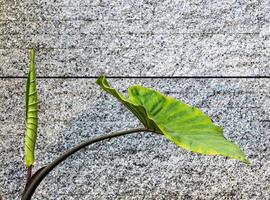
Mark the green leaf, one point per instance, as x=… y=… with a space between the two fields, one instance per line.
x=186 y=126
x=31 y=113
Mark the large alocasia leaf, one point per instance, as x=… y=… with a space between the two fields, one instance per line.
x=31 y=113
x=186 y=126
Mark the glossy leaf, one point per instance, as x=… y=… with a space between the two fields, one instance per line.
x=186 y=126
x=31 y=113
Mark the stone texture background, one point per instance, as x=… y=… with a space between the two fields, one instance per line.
x=136 y=38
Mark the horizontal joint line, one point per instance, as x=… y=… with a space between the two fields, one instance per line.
x=140 y=77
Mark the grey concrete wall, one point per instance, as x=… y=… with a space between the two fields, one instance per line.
x=135 y=38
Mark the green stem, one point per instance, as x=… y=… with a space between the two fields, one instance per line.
x=36 y=180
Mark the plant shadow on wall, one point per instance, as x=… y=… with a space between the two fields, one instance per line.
x=186 y=126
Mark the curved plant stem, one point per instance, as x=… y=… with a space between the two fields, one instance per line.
x=36 y=180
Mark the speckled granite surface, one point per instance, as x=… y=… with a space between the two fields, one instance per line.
x=148 y=38
x=134 y=37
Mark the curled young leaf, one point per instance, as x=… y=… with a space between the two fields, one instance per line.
x=31 y=113
x=186 y=126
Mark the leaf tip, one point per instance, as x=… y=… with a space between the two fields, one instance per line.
x=32 y=56
x=32 y=51
x=245 y=160
x=100 y=79
x=241 y=156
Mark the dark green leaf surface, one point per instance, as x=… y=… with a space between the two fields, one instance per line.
x=31 y=113
x=186 y=126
